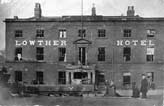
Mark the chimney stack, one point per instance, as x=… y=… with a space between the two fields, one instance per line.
x=130 y=11
x=37 y=10
x=93 y=10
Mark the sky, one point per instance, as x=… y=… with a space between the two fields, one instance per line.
x=25 y=9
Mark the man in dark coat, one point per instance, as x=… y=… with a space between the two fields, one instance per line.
x=144 y=86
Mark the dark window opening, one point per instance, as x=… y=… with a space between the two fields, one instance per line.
x=127 y=32
x=40 y=53
x=126 y=80
x=82 y=33
x=82 y=55
x=101 y=33
x=62 y=54
x=18 y=33
x=39 y=77
x=62 y=77
x=149 y=58
x=39 y=33
x=18 y=54
x=18 y=76
x=101 y=54
x=127 y=53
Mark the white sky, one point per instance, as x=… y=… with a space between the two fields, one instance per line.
x=25 y=8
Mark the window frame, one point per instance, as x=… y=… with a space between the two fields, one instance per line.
x=127 y=33
x=18 y=76
x=83 y=33
x=62 y=33
x=101 y=54
x=39 y=53
x=40 y=33
x=18 y=33
x=101 y=33
x=127 y=56
x=151 y=33
x=62 y=80
x=17 y=51
x=61 y=55
x=150 y=56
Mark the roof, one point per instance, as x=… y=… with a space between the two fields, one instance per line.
x=85 y=18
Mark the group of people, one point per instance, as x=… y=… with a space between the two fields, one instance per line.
x=143 y=90
x=111 y=89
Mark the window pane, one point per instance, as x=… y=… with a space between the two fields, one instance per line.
x=62 y=77
x=18 y=53
x=101 y=54
x=40 y=53
x=18 y=76
x=127 y=33
x=101 y=33
x=39 y=33
x=127 y=53
x=82 y=33
x=62 y=54
x=18 y=33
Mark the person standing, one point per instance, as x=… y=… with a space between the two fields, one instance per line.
x=144 y=86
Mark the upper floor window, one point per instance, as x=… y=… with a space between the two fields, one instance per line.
x=82 y=33
x=39 y=53
x=101 y=33
x=127 y=53
x=151 y=32
x=62 y=54
x=18 y=33
x=39 y=33
x=150 y=54
x=62 y=33
x=18 y=53
x=127 y=32
x=101 y=54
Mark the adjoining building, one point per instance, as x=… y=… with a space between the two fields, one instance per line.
x=56 y=50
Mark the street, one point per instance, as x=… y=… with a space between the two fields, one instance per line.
x=152 y=100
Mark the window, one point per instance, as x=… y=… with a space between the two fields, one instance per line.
x=127 y=32
x=39 y=77
x=62 y=33
x=150 y=54
x=62 y=54
x=101 y=33
x=62 y=77
x=151 y=32
x=40 y=53
x=126 y=78
x=82 y=33
x=101 y=54
x=18 y=33
x=39 y=33
x=18 y=53
x=127 y=53
x=18 y=76
x=150 y=76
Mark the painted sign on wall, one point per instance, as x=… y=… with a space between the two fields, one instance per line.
x=41 y=42
x=135 y=42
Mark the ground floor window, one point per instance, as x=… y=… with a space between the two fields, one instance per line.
x=126 y=78
x=62 y=77
x=18 y=76
x=39 y=77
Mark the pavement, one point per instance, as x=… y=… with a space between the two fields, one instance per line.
x=155 y=98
